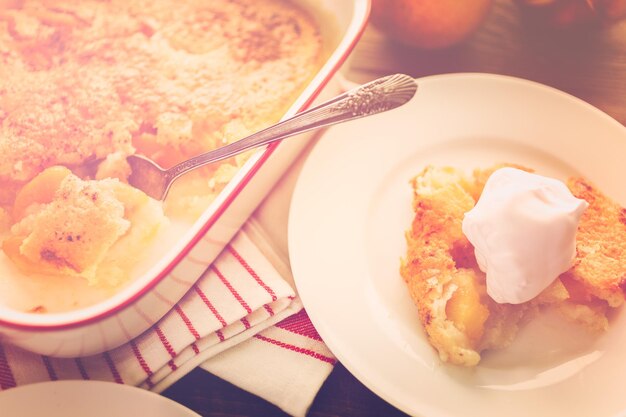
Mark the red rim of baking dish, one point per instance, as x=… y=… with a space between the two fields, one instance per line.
x=218 y=213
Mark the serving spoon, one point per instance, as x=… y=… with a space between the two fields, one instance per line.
x=374 y=97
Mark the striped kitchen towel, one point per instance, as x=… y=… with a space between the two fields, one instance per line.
x=239 y=320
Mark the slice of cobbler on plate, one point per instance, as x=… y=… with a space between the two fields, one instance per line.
x=449 y=288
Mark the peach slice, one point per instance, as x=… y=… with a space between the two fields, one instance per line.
x=39 y=190
x=465 y=309
x=11 y=247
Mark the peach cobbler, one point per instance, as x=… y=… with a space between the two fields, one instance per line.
x=83 y=84
x=444 y=279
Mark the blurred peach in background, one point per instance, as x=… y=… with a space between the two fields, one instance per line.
x=429 y=23
x=434 y=24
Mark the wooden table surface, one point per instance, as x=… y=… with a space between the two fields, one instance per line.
x=590 y=65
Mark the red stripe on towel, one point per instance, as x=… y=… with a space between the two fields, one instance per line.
x=142 y=362
x=165 y=342
x=300 y=323
x=187 y=322
x=6 y=375
x=81 y=369
x=208 y=304
x=167 y=346
x=268 y=309
x=232 y=290
x=48 y=364
x=252 y=272
x=116 y=375
x=297 y=349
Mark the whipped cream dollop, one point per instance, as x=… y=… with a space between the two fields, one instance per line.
x=523 y=229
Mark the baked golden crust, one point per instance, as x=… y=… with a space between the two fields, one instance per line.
x=601 y=245
x=80 y=80
x=77 y=228
x=447 y=286
x=85 y=83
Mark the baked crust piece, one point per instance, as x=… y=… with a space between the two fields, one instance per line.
x=90 y=229
x=600 y=264
x=449 y=289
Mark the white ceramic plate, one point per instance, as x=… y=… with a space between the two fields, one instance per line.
x=87 y=398
x=352 y=204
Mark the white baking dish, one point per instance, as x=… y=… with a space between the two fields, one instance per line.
x=98 y=328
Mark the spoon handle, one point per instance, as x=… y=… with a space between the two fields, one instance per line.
x=380 y=95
